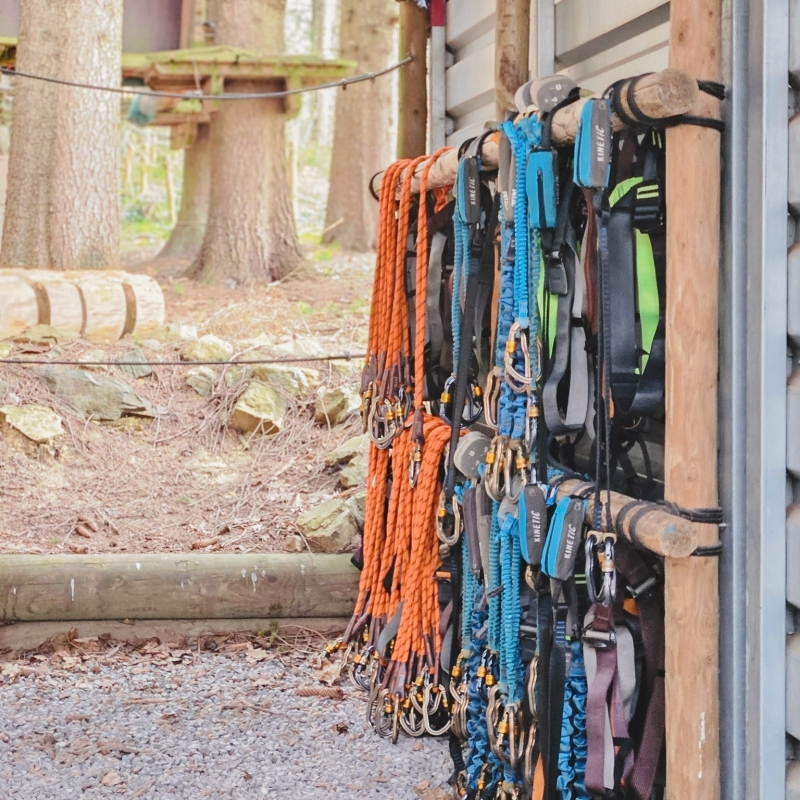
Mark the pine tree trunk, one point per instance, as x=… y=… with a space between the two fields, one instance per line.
x=187 y=235
x=62 y=209
x=361 y=146
x=250 y=235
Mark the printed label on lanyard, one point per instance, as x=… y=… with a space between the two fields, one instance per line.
x=541 y=188
x=470 y=511
x=592 y=165
x=533 y=522
x=564 y=539
x=469 y=194
x=504 y=175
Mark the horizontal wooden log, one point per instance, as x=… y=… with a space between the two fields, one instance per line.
x=176 y=586
x=102 y=305
x=23 y=636
x=59 y=300
x=19 y=308
x=657 y=530
x=659 y=95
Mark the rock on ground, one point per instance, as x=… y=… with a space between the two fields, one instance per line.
x=296 y=381
x=135 y=369
x=355 y=473
x=334 y=406
x=260 y=409
x=202 y=379
x=207 y=348
x=96 y=396
x=348 y=449
x=205 y=726
x=37 y=423
x=328 y=527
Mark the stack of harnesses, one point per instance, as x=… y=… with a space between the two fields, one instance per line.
x=517 y=341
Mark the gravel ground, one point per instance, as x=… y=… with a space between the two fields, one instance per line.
x=197 y=725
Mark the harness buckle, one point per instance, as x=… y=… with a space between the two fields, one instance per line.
x=647 y=214
x=556 y=274
x=644 y=589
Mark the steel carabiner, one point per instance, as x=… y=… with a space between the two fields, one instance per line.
x=518 y=383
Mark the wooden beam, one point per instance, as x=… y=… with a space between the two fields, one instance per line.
x=412 y=127
x=656 y=530
x=511 y=43
x=24 y=636
x=176 y=586
x=690 y=463
x=660 y=95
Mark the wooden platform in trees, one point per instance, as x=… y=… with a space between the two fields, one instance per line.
x=207 y=69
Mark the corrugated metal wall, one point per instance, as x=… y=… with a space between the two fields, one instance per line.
x=793 y=419
x=596 y=43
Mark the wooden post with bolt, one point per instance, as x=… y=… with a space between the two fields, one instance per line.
x=690 y=461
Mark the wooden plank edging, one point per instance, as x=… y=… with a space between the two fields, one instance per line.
x=22 y=636
x=176 y=586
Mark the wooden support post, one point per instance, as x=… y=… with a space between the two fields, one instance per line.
x=656 y=530
x=412 y=125
x=511 y=44
x=690 y=464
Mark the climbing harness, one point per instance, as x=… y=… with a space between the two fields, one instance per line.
x=517 y=342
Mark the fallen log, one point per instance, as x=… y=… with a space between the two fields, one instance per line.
x=659 y=95
x=656 y=529
x=103 y=305
x=176 y=586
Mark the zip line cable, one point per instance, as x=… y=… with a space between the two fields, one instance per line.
x=196 y=95
x=299 y=360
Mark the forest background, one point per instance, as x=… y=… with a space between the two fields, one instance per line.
x=154 y=174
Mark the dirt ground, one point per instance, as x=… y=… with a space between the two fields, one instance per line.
x=162 y=485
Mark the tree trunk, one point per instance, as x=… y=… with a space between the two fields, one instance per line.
x=62 y=208
x=250 y=236
x=412 y=123
x=363 y=117
x=187 y=235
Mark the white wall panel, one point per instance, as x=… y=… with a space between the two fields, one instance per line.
x=596 y=41
x=470 y=82
x=468 y=19
x=584 y=29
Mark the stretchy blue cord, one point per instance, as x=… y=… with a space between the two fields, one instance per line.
x=469 y=584
x=511 y=660
x=460 y=270
x=573 y=747
x=494 y=582
x=479 y=752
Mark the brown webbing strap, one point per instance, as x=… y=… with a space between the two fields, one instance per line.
x=637 y=575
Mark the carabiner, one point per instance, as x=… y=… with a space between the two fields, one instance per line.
x=531 y=422
x=518 y=383
x=430 y=708
x=414 y=464
x=407 y=717
x=494 y=382
x=495 y=467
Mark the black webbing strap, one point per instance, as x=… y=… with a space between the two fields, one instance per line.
x=556 y=682
x=636 y=509
x=481 y=253
x=542 y=689
x=638 y=119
